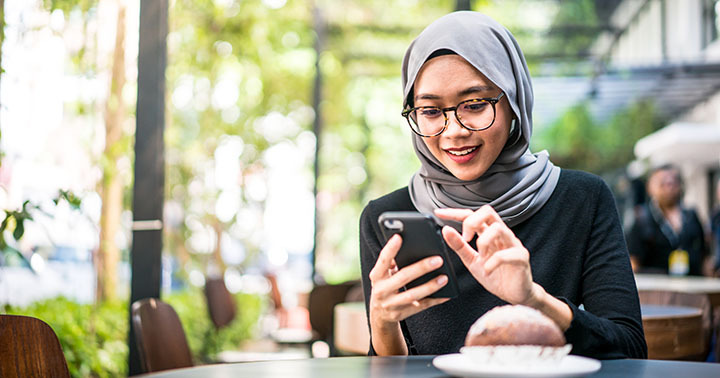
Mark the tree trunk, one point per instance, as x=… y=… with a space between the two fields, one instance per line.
x=111 y=189
x=218 y=262
x=463 y=5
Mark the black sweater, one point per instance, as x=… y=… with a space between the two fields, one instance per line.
x=577 y=253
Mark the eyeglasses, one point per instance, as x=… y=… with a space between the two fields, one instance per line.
x=476 y=114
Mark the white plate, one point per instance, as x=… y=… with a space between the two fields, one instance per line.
x=570 y=366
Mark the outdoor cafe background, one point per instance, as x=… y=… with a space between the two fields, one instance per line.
x=279 y=117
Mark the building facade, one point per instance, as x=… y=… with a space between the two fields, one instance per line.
x=680 y=40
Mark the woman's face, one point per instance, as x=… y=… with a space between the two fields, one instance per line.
x=445 y=81
x=664 y=186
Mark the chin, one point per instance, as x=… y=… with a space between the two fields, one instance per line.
x=467 y=176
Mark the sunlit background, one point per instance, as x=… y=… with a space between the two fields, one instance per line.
x=240 y=144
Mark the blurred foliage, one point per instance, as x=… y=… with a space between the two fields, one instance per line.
x=93 y=337
x=573 y=14
x=578 y=141
x=83 y=63
x=68 y=6
x=204 y=340
x=627 y=127
x=14 y=221
x=212 y=46
x=220 y=87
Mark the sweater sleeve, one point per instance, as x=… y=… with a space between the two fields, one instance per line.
x=369 y=251
x=610 y=324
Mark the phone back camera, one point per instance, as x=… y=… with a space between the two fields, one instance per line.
x=393 y=224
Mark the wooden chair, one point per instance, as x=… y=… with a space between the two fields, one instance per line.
x=321 y=304
x=29 y=348
x=699 y=301
x=220 y=303
x=160 y=337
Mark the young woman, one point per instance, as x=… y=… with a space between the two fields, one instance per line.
x=522 y=230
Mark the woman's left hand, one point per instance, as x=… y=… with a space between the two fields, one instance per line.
x=500 y=263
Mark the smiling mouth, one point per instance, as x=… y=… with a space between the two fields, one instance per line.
x=463 y=151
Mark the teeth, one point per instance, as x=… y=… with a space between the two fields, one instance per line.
x=463 y=152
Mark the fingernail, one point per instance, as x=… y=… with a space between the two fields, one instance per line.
x=436 y=261
x=442 y=280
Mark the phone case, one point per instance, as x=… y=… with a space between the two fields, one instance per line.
x=421 y=238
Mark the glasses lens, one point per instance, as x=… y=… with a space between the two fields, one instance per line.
x=427 y=120
x=476 y=114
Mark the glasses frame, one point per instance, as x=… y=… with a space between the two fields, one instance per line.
x=492 y=100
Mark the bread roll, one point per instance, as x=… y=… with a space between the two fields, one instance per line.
x=514 y=325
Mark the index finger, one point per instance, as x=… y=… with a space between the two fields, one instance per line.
x=457 y=215
x=478 y=221
x=386 y=259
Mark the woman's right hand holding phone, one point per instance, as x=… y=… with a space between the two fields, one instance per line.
x=389 y=305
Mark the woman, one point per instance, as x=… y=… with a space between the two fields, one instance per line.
x=667 y=237
x=525 y=231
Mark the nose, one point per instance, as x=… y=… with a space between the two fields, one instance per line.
x=454 y=128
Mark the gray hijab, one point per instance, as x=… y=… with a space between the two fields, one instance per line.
x=519 y=182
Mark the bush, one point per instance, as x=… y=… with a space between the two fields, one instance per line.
x=94 y=337
x=205 y=342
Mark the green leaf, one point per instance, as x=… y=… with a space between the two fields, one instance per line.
x=19 y=230
x=12 y=253
x=5 y=221
x=73 y=200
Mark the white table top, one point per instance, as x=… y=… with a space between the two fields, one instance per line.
x=701 y=285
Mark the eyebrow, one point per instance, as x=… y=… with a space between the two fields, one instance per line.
x=464 y=92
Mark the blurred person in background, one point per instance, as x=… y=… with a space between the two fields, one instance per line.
x=666 y=237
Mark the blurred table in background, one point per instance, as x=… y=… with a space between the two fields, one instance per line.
x=673 y=332
x=691 y=284
x=350 y=332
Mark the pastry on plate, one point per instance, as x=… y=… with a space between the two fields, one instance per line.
x=514 y=325
x=515 y=334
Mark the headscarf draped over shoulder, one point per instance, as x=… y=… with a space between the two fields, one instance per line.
x=519 y=182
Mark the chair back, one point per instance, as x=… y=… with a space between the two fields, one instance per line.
x=221 y=305
x=321 y=304
x=673 y=298
x=160 y=337
x=29 y=348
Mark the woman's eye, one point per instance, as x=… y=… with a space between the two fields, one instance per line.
x=430 y=112
x=475 y=106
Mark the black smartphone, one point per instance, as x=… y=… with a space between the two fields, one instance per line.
x=421 y=238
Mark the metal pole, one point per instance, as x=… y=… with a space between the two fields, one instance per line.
x=319 y=26
x=461 y=5
x=148 y=190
